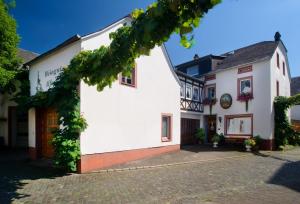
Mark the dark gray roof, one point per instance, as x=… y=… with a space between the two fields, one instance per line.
x=252 y=53
x=26 y=55
x=295 y=85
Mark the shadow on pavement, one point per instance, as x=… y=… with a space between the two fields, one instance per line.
x=15 y=169
x=288 y=175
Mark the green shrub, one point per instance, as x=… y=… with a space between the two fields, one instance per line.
x=200 y=135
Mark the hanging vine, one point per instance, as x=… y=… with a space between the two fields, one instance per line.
x=101 y=67
x=284 y=133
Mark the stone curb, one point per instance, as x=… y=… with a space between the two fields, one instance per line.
x=167 y=165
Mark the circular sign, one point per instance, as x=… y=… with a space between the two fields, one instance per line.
x=226 y=101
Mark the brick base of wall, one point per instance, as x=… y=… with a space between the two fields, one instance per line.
x=32 y=153
x=92 y=162
x=267 y=145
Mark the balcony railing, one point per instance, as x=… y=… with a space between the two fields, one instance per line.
x=189 y=105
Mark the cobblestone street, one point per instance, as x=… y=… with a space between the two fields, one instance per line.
x=268 y=177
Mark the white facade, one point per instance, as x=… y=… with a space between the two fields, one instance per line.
x=121 y=117
x=5 y=102
x=264 y=75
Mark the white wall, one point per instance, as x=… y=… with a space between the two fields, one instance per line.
x=123 y=118
x=226 y=82
x=31 y=128
x=51 y=63
x=295 y=112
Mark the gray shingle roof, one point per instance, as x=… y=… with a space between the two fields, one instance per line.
x=26 y=55
x=295 y=85
x=252 y=53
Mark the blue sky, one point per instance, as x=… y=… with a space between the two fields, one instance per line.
x=230 y=25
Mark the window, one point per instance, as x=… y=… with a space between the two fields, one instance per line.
x=192 y=71
x=245 y=86
x=166 y=127
x=239 y=125
x=188 y=91
x=129 y=80
x=277 y=58
x=283 y=67
x=182 y=89
x=196 y=93
x=210 y=91
x=277 y=88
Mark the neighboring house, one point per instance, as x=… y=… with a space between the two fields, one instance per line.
x=256 y=73
x=138 y=116
x=13 y=123
x=295 y=89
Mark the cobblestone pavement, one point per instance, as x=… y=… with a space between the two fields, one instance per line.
x=269 y=177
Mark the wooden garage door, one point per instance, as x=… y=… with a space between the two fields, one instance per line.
x=188 y=130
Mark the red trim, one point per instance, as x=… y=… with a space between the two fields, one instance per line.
x=210 y=77
x=134 y=78
x=208 y=86
x=163 y=139
x=278 y=61
x=245 y=69
x=267 y=145
x=92 y=162
x=238 y=135
x=32 y=153
x=239 y=85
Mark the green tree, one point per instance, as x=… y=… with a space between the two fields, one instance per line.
x=9 y=61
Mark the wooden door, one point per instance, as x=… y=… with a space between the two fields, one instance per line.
x=50 y=124
x=188 y=130
x=211 y=123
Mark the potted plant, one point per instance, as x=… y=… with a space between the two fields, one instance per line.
x=200 y=135
x=246 y=97
x=249 y=143
x=216 y=139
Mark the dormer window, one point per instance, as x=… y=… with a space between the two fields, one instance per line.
x=129 y=80
x=192 y=71
x=210 y=91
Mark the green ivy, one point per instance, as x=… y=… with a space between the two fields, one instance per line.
x=100 y=67
x=284 y=133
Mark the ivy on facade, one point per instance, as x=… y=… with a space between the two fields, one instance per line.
x=100 y=67
x=284 y=133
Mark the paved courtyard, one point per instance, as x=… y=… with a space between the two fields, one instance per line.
x=192 y=176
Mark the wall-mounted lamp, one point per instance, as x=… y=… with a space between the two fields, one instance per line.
x=220 y=119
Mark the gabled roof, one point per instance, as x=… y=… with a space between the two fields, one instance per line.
x=295 y=85
x=26 y=55
x=256 y=52
x=71 y=40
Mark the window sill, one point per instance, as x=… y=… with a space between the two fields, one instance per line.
x=129 y=85
x=165 y=139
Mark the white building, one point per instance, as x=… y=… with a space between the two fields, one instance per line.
x=157 y=109
x=13 y=122
x=135 y=118
x=295 y=89
x=257 y=74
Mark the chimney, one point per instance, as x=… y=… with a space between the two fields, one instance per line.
x=277 y=36
x=196 y=57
